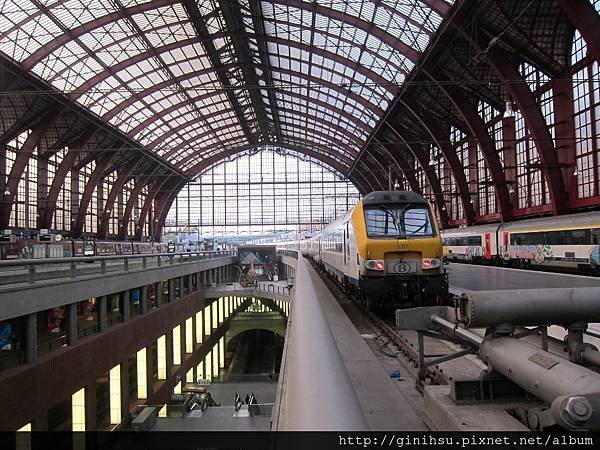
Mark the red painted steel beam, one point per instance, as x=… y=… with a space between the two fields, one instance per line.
x=24 y=154
x=479 y=130
x=123 y=177
x=47 y=214
x=404 y=166
x=133 y=198
x=163 y=204
x=102 y=164
x=526 y=101
x=88 y=27
x=586 y=19
x=423 y=160
x=207 y=162
x=356 y=22
x=449 y=154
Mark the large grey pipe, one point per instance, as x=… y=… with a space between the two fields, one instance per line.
x=317 y=391
x=555 y=380
x=530 y=307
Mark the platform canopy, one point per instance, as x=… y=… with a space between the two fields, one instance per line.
x=195 y=81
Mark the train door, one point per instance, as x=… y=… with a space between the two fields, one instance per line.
x=487 y=250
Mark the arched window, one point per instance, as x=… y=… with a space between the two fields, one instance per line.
x=586 y=97
x=273 y=190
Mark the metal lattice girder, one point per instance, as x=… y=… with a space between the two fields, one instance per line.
x=199 y=24
x=423 y=160
x=22 y=159
x=585 y=18
x=479 y=130
x=449 y=153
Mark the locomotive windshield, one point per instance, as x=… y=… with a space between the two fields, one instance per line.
x=398 y=221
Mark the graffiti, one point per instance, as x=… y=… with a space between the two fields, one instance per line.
x=474 y=252
x=595 y=256
x=538 y=253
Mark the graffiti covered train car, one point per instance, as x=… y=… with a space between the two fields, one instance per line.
x=563 y=242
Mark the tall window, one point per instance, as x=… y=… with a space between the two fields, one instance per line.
x=532 y=187
x=91 y=217
x=586 y=96
x=272 y=190
x=62 y=214
x=459 y=140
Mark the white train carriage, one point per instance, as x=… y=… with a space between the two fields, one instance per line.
x=471 y=244
x=569 y=241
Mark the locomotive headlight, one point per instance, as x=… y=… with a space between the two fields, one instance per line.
x=374 y=264
x=430 y=263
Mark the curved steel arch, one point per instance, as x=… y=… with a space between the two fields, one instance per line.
x=451 y=158
x=480 y=132
x=405 y=168
x=434 y=181
x=203 y=165
x=345 y=114
x=183 y=126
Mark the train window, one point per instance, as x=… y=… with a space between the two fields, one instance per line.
x=417 y=223
x=398 y=220
x=559 y=237
x=381 y=222
x=463 y=241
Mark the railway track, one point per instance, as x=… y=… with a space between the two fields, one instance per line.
x=403 y=344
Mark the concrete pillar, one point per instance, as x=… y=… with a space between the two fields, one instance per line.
x=204 y=278
x=90 y=406
x=210 y=277
x=30 y=338
x=149 y=370
x=158 y=293
x=71 y=319
x=125 y=307
x=102 y=313
x=124 y=389
x=144 y=299
x=190 y=284
x=171 y=290
x=181 y=286
x=169 y=352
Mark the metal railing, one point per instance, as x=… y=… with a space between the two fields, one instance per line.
x=34 y=270
x=289 y=253
x=273 y=288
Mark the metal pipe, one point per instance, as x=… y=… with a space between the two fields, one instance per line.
x=530 y=307
x=568 y=387
x=591 y=356
x=458 y=332
x=316 y=392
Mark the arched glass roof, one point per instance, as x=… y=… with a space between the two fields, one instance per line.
x=195 y=79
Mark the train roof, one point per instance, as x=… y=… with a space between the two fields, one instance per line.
x=379 y=197
x=579 y=220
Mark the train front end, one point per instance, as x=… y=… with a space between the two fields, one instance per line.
x=400 y=251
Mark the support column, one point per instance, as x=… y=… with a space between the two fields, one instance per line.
x=71 y=324
x=30 y=338
x=144 y=300
x=102 y=313
x=210 y=277
x=158 y=293
x=169 y=351
x=204 y=279
x=190 y=283
x=149 y=370
x=90 y=406
x=124 y=389
x=181 y=286
x=171 y=290
x=125 y=308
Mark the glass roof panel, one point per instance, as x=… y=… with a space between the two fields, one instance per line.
x=169 y=73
